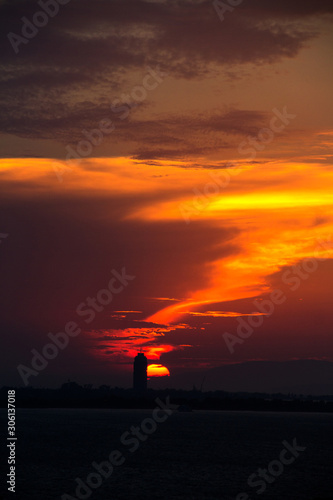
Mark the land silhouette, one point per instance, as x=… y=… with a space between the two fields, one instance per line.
x=73 y=395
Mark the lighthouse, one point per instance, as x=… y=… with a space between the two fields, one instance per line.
x=140 y=373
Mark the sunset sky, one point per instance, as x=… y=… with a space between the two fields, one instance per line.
x=185 y=144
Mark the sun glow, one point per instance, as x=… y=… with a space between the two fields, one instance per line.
x=157 y=371
x=268 y=217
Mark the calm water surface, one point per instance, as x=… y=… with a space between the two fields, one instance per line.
x=201 y=455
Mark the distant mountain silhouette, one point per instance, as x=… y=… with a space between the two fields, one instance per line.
x=298 y=377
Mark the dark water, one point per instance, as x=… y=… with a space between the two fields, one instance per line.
x=199 y=455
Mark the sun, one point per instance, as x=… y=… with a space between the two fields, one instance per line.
x=157 y=371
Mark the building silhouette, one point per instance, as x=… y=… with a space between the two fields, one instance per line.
x=140 y=373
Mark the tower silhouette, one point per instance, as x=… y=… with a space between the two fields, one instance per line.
x=140 y=373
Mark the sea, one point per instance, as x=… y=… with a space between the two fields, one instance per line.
x=199 y=455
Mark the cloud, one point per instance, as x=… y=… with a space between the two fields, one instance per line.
x=64 y=79
x=62 y=250
x=143 y=138
x=223 y=314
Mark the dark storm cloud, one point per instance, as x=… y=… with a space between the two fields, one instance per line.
x=89 y=51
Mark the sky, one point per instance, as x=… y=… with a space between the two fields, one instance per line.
x=166 y=185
